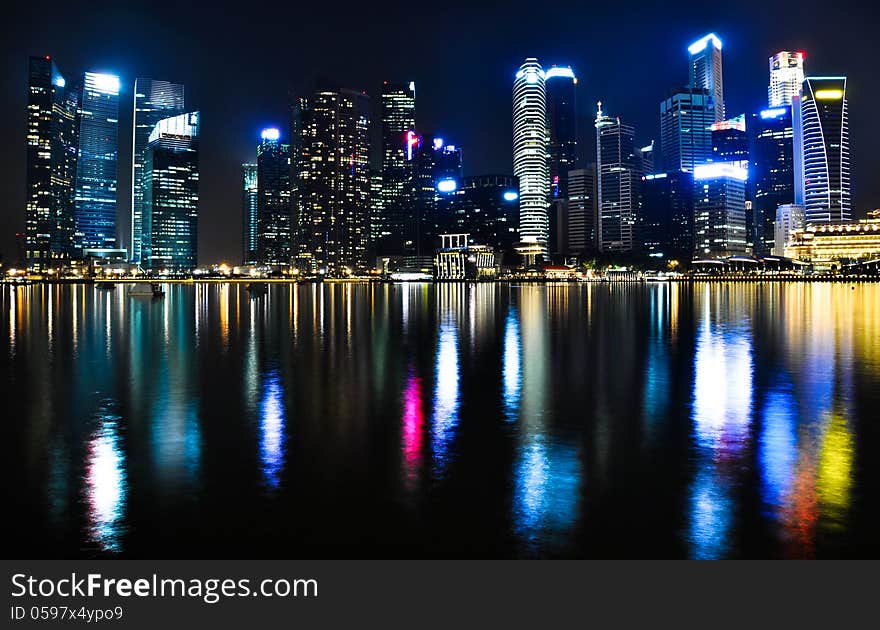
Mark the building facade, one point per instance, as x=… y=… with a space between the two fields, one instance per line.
x=273 y=200
x=789 y=218
x=530 y=153
x=250 y=213
x=153 y=101
x=618 y=178
x=706 y=71
x=786 y=78
x=771 y=171
x=169 y=236
x=581 y=209
x=395 y=208
x=50 y=167
x=720 y=210
x=96 y=164
x=334 y=180
x=666 y=215
x=562 y=129
x=685 y=138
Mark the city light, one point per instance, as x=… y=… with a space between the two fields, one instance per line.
x=270 y=134
x=774 y=112
x=715 y=170
x=829 y=95
x=438 y=143
x=700 y=45
x=447 y=185
x=555 y=71
x=511 y=195
x=104 y=83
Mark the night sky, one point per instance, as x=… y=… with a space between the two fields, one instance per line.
x=240 y=61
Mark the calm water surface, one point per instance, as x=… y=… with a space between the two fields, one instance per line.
x=458 y=420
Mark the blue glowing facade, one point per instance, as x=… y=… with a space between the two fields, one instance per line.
x=706 y=71
x=273 y=240
x=249 y=213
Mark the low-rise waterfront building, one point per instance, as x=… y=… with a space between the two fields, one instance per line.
x=457 y=259
x=833 y=243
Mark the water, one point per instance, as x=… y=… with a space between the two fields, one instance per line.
x=459 y=420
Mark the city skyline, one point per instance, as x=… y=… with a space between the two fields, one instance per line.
x=485 y=138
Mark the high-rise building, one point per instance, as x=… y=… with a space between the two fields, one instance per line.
x=153 y=101
x=486 y=207
x=618 y=178
x=666 y=215
x=771 y=171
x=786 y=77
x=51 y=166
x=333 y=203
x=730 y=142
x=789 y=218
x=821 y=143
x=720 y=209
x=437 y=175
x=562 y=130
x=530 y=153
x=170 y=219
x=685 y=138
x=581 y=210
x=705 y=71
x=96 y=164
x=398 y=106
x=273 y=200
x=250 y=213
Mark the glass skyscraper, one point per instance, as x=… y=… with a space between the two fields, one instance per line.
x=51 y=166
x=169 y=237
x=618 y=177
x=581 y=210
x=666 y=221
x=561 y=86
x=685 y=138
x=720 y=209
x=333 y=172
x=706 y=71
x=786 y=77
x=771 y=171
x=96 y=166
x=273 y=200
x=249 y=213
x=530 y=153
x=395 y=209
x=153 y=101
x=821 y=142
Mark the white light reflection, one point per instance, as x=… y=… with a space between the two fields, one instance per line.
x=106 y=484
x=445 y=396
x=512 y=366
x=272 y=439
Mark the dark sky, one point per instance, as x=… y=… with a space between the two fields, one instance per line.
x=240 y=60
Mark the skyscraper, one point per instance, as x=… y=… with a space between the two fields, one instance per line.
x=618 y=178
x=730 y=142
x=685 y=138
x=273 y=200
x=486 y=207
x=666 y=216
x=398 y=104
x=720 y=209
x=771 y=171
x=437 y=174
x=249 y=213
x=96 y=165
x=561 y=90
x=334 y=182
x=705 y=71
x=153 y=101
x=170 y=220
x=821 y=142
x=51 y=166
x=581 y=209
x=530 y=152
x=786 y=77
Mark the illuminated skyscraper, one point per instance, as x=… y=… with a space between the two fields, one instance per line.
x=153 y=101
x=730 y=143
x=273 y=200
x=685 y=138
x=51 y=166
x=249 y=213
x=618 y=177
x=771 y=171
x=169 y=235
x=720 y=209
x=666 y=216
x=333 y=201
x=96 y=165
x=705 y=71
x=398 y=102
x=530 y=152
x=821 y=143
x=437 y=174
x=786 y=77
x=561 y=84
x=581 y=210
x=486 y=207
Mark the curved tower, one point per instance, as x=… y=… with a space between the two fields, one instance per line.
x=530 y=152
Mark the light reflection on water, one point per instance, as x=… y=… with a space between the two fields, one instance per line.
x=552 y=420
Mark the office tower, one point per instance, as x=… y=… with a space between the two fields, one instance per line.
x=153 y=101
x=530 y=153
x=96 y=164
x=560 y=86
x=771 y=171
x=666 y=216
x=273 y=200
x=685 y=137
x=730 y=142
x=375 y=222
x=437 y=174
x=705 y=71
x=581 y=210
x=786 y=78
x=398 y=107
x=645 y=157
x=170 y=220
x=51 y=166
x=250 y=213
x=334 y=182
x=789 y=217
x=720 y=209
x=618 y=178
x=486 y=207
x=821 y=143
